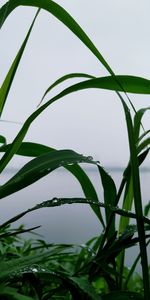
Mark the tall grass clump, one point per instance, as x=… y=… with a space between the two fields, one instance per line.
x=97 y=270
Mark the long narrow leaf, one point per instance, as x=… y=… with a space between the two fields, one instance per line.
x=16 y=266
x=62 y=15
x=137 y=199
x=64 y=201
x=4 y=90
x=39 y=167
x=64 y=78
x=105 y=82
x=143 y=135
x=35 y=150
x=137 y=121
x=109 y=196
x=144 y=145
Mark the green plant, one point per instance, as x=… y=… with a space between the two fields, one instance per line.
x=97 y=271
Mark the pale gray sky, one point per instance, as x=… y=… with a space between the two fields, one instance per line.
x=90 y=122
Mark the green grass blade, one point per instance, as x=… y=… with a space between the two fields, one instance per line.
x=39 y=167
x=137 y=200
x=92 y=83
x=62 y=15
x=4 y=90
x=29 y=149
x=130 y=84
x=110 y=193
x=122 y=295
x=88 y=189
x=143 y=135
x=123 y=223
x=18 y=265
x=147 y=209
x=143 y=145
x=34 y=150
x=137 y=121
x=132 y=270
x=10 y=293
x=65 y=201
x=64 y=78
x=18 y=140
x=2 y=140
x=127 y=205
x=85 y=286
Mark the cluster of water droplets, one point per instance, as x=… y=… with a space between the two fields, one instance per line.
x=70 y=162
x=28 y=269
x=61 y=201
x=88 y=249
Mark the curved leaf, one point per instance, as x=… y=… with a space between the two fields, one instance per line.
x=137 y=121
x=27 y=263
x=39 y=167
x=144 y=145
x=143 y=135
x=35 y=150
x=63 y=78
x=104 y=82
x=64 y=201
x=4 y=90
x=61 y=14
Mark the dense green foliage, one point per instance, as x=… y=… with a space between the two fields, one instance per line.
x=34 y=270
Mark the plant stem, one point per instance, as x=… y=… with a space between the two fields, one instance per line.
x=138 y=202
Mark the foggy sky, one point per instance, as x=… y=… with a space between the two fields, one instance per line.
x=90 y=122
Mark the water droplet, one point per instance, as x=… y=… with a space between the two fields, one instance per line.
x=90 y=158
x=43 y=270
x=54 y=200
x=34 y=270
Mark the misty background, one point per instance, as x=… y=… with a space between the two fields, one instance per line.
x=90 y=122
